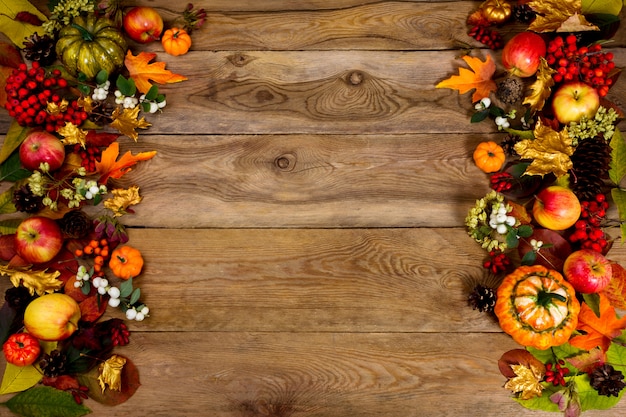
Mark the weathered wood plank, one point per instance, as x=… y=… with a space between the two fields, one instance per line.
x=250 y=374
x=306 y=181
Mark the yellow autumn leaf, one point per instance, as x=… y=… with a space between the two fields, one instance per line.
x=111 y=373
x=122 y=199
x=57 y=108
x=12 y=27
x=558 y=16
x=126 y=122
x=478 y=78
x=72 y=134
x=550 y=151
x=541 y=88
x=40 y=282
x=526 y=382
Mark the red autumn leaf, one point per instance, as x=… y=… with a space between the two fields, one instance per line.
x=27 y=17
x=100 y=139
x=111 y=167
x=92 y=308
x=598 y=331
x=141 y=71
x=10 y=56
x=7 y=247
x=616 y=290
x=588 y=361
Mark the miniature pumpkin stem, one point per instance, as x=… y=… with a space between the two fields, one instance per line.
x=83 y=32
x=544 y=298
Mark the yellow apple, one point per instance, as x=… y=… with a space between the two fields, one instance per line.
x=52 y=317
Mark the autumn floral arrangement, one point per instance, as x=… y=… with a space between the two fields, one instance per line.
x=75 y=92
x=555 y=164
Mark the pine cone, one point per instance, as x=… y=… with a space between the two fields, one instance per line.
x=523 y=13
x=510 y=90
x=607 y=381
x=18 y=297
x=483 y=299
x=590 y=162
x=53 y=364
x=40 y=49
x=508 y=144
x=76 y=224
x=25 y=201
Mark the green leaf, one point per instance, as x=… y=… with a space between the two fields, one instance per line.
x=525 y=231
x=12 y=170
x=126 y=86
x=9 y=226
x=529 y=257
x=102 y=76
x=14 y=29
x=13 y=139
x=617 y=169
x=152 y=93
x=619 y=198
x=126 y=288
x=19 y=378
x=46 y=402
x=511 y=239
x=6 y=202
x=613 y=7
x=593 y=301
x=135 y=296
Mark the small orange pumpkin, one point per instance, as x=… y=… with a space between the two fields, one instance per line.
x=489 y=156
x=537 y=307
x=176 y=41
x=126 y=262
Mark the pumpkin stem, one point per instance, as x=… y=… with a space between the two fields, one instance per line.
x=83 y=32
x=544 y=298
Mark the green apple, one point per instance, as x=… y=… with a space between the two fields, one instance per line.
x=52 y=317
x=574 y=100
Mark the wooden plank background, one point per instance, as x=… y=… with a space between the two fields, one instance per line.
x=302 y=222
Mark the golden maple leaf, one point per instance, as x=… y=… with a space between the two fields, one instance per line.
x=126 y=122
x=550 y=151
x=111 y=167
x=559 y=16
x=40 y=282
x=526 y=382
x=72 y=134
x=478 y=78
x=57 y=108
x=122 y=199
x=111 y=373
x=142 y=72
x=86 y=103
x=541 y=88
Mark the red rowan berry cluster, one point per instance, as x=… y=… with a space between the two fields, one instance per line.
x=89 y=155
x=556 y=373
x=488 y=37
x=497 y=262
x=587 y=64
x=501 y=181
x=587 y=231
x=29 y=92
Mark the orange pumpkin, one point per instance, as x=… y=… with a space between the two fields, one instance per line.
x=126 y=262
x=176 y=41
x=537 y=307
x=489 y=156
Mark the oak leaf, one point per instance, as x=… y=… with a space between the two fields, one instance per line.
x=127 y=121
x=550 y=151
x=111 y=167
x=40 y=282
x=541 y=88
x=111 y=373
x=478 y=78
x=526 y=382
x=559 y=16
x=598 y=331
x=141 y=71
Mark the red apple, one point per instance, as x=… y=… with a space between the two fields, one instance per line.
x=588 y=271
x=39 y=147
x=52 y=317
x=143 y=24
x=556 y=208
x=38 y=239
x=574 y=100
x=521 y=55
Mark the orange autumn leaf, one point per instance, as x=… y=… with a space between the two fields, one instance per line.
x=616 y=290
x=599 y=331
x=111 y=167
x=141 y=71
x=478 y=78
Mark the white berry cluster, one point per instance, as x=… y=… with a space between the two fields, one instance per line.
x=89 y=189
x=536 y=244
x=499 y=219
x=82 y=275
x=101 y=92
x=137 y=315
x=127 y=102
x=152 y=106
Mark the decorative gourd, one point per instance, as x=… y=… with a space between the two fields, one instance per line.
x=489 y=156
x=176 y=41
x=496 y=11
x=126 y=262
x=537 y=307
x=91 y=44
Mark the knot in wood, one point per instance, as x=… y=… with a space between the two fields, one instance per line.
x=285 y=162
x=355 y=77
